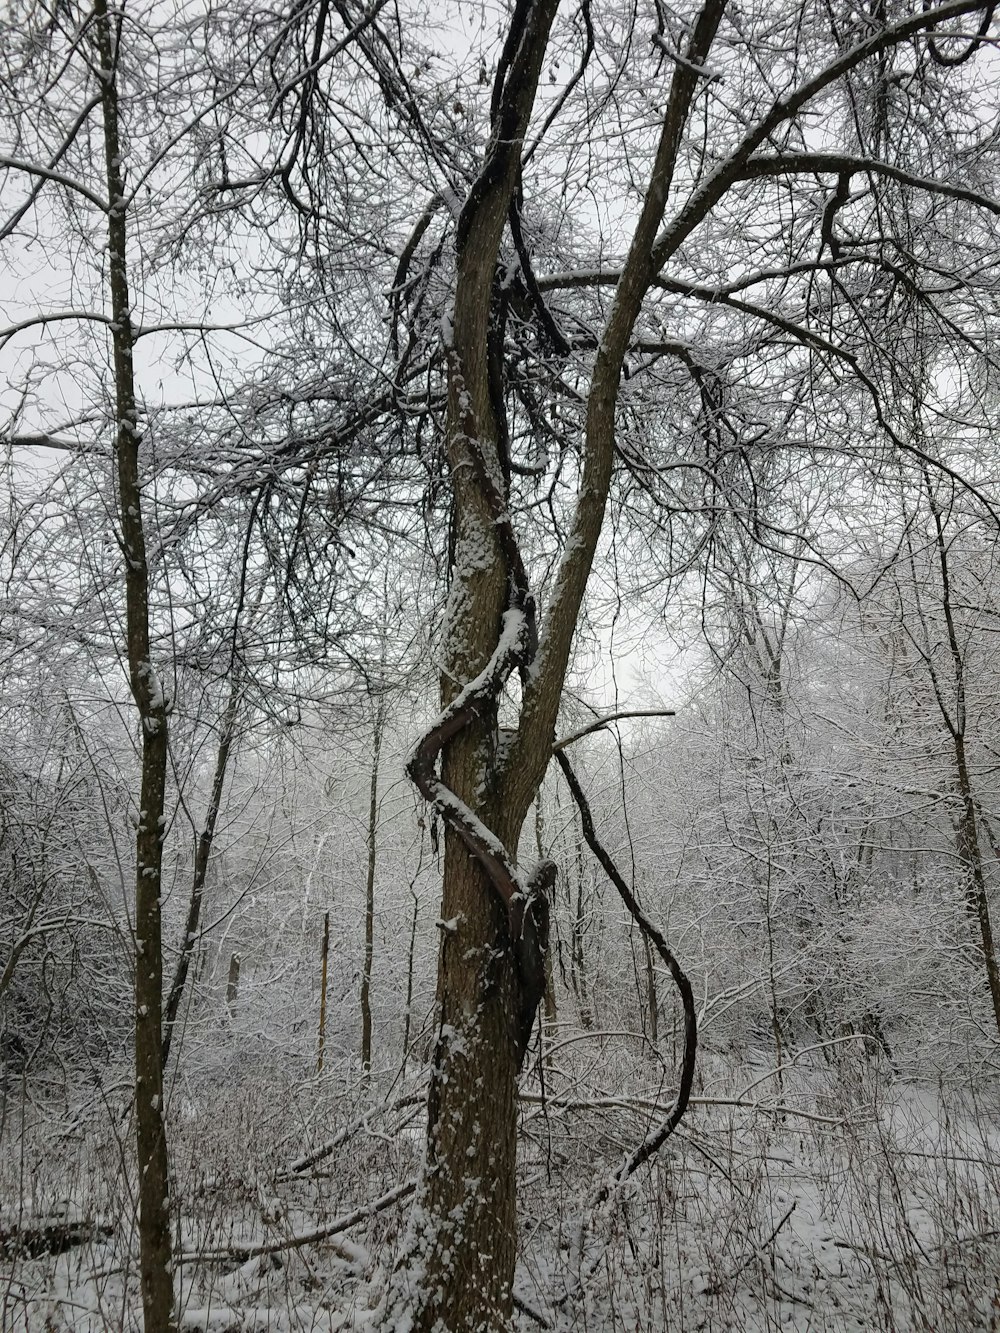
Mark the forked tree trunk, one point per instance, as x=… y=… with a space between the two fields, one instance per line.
x=460 y=1263
x=202 y=853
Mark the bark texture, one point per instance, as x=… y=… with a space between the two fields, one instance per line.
x=465 y=1221
x=464 y=1228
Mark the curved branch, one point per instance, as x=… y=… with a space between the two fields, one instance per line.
x=578 y=73
x=601 y=722
x=545 y=317
x=846 y=164
x=57 y=177
x=654 y=1141
x=951 y=62
x=478 y=695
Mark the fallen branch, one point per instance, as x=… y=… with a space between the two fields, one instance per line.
x=529 y=1310
x=342 y=1135
x=52 y=1237
x=241 y=1253
x=642 y=1104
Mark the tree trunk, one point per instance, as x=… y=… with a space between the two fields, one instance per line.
x=366 y=973
x=551 y=1004
x=408 y=1013
x=549 y=999
x=577 y=962
x=324 y=955
x=463 y=1228
x=652 y=999
x=955 y=720
x=463 y=1240
x=971 y=856
x=233 y=983
x=155 y=1251
x=202 y=853
x=467 y=1209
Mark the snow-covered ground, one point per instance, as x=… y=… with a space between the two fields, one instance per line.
x=832 y=1198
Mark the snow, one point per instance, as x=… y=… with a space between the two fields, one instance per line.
x=878 y=1212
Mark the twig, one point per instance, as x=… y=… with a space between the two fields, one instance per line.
x=342 y=1135
x=759 y=1251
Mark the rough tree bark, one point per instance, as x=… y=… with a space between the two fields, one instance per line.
x=464 y=1229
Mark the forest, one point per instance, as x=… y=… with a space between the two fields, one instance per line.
x=499 y=666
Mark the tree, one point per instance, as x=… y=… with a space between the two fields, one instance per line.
x=943 y=608
x=716 y=172
x=152 y=705
x=613 y=390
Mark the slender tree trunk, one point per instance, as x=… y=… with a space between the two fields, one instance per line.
x=408 y=1013
x=366 y=973
x=202 y=853
x=969 y=847
x=549 y=998
x=971 y=856
x=233 y=983
x=155 y=1253
x=324 y=955
x=772 y=981
x=652 y=999
x=551 y=1004
x=577 y=961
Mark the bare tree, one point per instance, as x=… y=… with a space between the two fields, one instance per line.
x=710 y=164
x=942 y=623
x=606 y=382
x=156 y=1249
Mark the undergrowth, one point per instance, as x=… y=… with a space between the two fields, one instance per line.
x=825 y=1196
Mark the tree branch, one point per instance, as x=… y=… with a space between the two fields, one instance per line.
x=600 y=723
x=654 y=1141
